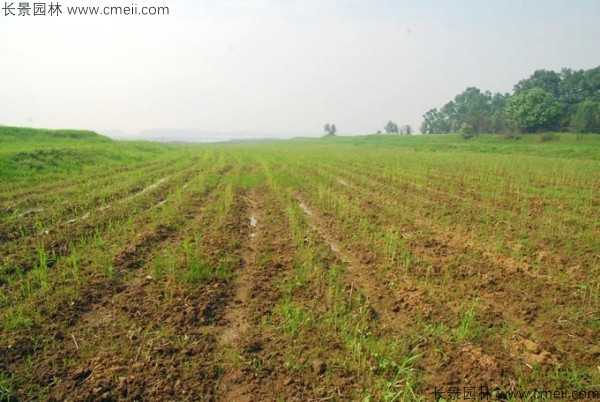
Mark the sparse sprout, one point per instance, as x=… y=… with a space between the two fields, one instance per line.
x=350 y=268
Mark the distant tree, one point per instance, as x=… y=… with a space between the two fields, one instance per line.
x=577 y=86
x=467 y=131
x=429 y=118
x=471 y=106
x=498 y=122
x=428 y=121
x=407 y=129
x=549 y=81
x=533 y=110
x=378 y=131
x=479 y=111
x=391 y=128
x=587 y=117
x=569 y=87
x=435 y=121
x=330 y=129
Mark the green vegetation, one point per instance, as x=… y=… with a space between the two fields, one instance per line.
x=533 y=110
x=365 y=268
x=35 y=154
x=546 y=101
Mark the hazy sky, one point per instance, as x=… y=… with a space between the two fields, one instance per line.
x=279 y=67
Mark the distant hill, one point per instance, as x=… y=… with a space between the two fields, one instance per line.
x=199 y=135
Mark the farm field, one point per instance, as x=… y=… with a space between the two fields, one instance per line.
x=375 y=268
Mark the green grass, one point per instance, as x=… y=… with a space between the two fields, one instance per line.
x=566 y=145
x=468 y=239
x=29 y=154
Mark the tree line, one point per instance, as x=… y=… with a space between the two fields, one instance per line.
x=393 y=128
x=390 y=128
x=568 y=100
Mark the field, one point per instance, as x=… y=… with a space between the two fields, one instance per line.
x=376 y=268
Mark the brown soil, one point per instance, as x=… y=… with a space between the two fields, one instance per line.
x=509 y=291
x=133 y=336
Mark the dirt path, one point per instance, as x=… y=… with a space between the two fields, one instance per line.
x=236 y=314
x=233 y=386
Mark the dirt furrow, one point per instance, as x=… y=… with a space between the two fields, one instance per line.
x=254 y=359
x=102 y=301
x=450 y=242
x=237 y=313
x=360 y=276
x=235 y=385
x=478 y=269
x=402 y=194
x=57 y=239
x=403 y=305
x=73 y=186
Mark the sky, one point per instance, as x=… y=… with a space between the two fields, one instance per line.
x=267 y=68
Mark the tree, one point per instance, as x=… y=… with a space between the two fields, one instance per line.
x=330 y=129
x=549 y=81
x=577 y=87
x=475 y=108
x=533 y=110
x=587 y=117
x=497 y=123
x=428 y=121
x=472 y=106
x=435 y=122
x=391 y=128
x=407 y=129
x=475 y=111
x=467 y=131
